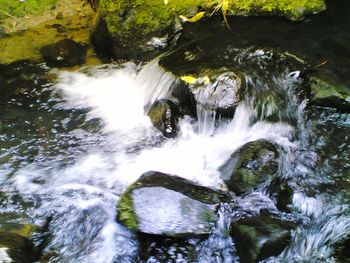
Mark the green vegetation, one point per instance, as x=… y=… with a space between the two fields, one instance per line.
x=150 y=16
x=293 y=9
x=126 y=213
x=17 y=8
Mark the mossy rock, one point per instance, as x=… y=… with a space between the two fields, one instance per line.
x=327 y=94
x=250 y=165
x=16 y=248
x=140 y=29
x=164 y=204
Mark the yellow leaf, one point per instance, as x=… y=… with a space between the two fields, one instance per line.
x=194 y=18
x=166 y=2
x=189 y=79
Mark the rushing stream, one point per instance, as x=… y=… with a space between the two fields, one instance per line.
x=68 y=150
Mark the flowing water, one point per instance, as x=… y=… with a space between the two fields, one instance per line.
x=67 y=155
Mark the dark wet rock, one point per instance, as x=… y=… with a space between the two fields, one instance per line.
x=131 y=31
x=281 y=193
x=64 y=53
x=250 y=165
x=15 y=247
x=327 y=94
x=341 y=251
x=164 y=115
x=182 y=96
x=164 y=204
x=261 y=236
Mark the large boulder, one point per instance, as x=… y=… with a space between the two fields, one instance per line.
x=64 y=53
x=164 y=204
x=250 y=165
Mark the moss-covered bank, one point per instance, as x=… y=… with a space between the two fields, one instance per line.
x=145 y=26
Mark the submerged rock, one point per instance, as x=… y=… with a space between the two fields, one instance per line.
x=167 y=249
x=15 y=248
x=64 y=53
x=250 y=165
x=262 y=236
x=327 y=94
x=169 y=205
x=164 y=115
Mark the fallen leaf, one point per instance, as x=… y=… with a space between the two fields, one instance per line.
x=189 y=79
x=194 y=18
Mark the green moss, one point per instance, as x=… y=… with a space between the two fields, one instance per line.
x=18 y=8
x=293 y=9
x=126 y=213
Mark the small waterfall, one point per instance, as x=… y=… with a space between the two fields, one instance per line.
x=155 y=83
x=207 y=102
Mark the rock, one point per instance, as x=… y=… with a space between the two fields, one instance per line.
x=169 y=205
x=327 y=94
x=183 y=97
x=130 y=30
x=164 y=115
x=15 y=248
x=219 y=92
x=250 y=165
x=64 y=53
x=262 y=236
x=281 y=193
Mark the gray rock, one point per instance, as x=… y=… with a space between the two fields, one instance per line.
x=169 y=205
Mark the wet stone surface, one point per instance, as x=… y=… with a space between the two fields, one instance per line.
x=250 y=165
x=163 y=204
